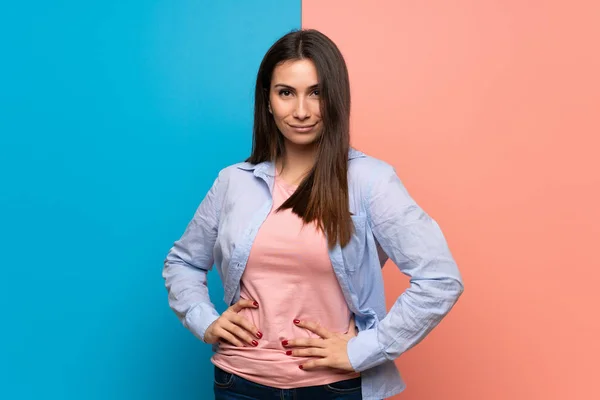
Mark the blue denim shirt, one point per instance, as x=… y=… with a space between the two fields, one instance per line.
x=388 y=224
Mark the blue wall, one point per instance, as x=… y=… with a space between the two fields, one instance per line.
x=115 y=117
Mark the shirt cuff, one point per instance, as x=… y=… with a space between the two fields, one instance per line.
x=199 y=318
x=364 y=351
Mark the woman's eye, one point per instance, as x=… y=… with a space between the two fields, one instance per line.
x=284 y=92
x=317 y=92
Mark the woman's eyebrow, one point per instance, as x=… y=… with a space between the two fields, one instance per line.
x=283 y=85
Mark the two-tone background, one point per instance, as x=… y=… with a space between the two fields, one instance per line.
x=115 y=117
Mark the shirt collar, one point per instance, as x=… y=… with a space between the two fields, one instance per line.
x=267 y=167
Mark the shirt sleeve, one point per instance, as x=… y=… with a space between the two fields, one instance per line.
x=415 y=243
x=188 y=262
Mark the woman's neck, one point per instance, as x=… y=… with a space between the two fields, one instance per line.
x=296 y=163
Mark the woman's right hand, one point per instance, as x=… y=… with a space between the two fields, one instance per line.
x=234 y=328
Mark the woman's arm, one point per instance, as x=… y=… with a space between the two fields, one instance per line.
x=188 y=262
x=417 y=246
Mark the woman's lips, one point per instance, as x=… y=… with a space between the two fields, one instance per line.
x=302 y=128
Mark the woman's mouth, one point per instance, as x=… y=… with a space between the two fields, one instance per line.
x=302 y=128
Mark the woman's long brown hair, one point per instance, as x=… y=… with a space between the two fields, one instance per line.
x=322 y=197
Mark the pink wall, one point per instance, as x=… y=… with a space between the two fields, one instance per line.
x=490 y=112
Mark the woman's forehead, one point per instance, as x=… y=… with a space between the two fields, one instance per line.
x=295 y=73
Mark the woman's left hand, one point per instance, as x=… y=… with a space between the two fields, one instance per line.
x=330 y=350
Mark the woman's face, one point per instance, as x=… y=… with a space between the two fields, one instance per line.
x=294 y=102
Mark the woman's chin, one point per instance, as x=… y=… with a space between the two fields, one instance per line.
x=301 y=139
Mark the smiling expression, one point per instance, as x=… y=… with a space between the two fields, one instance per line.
x=294 y=102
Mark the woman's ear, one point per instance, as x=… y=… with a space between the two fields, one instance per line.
x=270 y=111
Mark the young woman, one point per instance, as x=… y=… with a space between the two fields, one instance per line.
x=299 y=234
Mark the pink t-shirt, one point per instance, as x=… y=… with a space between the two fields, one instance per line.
x=291 y=277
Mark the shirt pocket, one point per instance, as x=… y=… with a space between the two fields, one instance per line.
x=354 y=251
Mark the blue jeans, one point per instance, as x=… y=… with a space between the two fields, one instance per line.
x=232 y=387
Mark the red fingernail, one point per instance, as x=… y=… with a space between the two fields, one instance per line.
x=289 y=352
x=259 y=334
x=255 y=304
x=296 y=321
x=254 y=342
x=301 y=367
x=285 y=343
